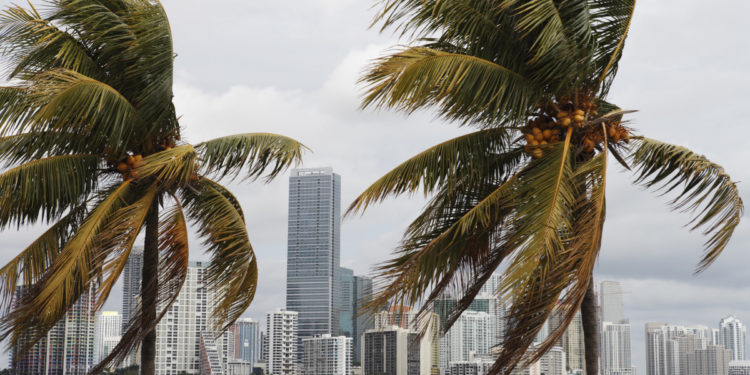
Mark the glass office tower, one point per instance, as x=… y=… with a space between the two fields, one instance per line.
x=313 y=254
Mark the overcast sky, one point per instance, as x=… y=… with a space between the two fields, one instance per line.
x=290 y=67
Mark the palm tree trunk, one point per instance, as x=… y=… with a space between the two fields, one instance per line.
x=590 y=330
x=149 y=289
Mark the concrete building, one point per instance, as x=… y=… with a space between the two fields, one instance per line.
x=345 y=302
x=362 y=287
x=713 y=360
x=732 y=334
x=108 y=333
x=739 y=368
x=313 y=250
x=327 y=355
x=473 y=333
x=388 y=351
x=610 y=302
x=572 y=344
x=282 y=342
x=131 y=294
x=616 y=356
x=247 y=340
x=67 y=349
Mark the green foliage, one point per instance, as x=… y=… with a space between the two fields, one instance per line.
x=91 y=145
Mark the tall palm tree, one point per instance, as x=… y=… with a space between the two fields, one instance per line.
x=527 y=188
x=91 y=145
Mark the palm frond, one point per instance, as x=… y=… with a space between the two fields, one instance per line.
x=233 y=271
x=611 y=20
x=30 y=265
x=465 y=157
x=173 y=167
x=35 y=44
x=254 y=152
x=707 y=191
x=463 y=87
x=173 y=269
x=70 y=275
x=46 y=188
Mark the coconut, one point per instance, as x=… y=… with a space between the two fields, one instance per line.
x=566 y=121
x=579 y=112
x=578 y=118
x=547 y=134
x=122 y=167
x=537 y=153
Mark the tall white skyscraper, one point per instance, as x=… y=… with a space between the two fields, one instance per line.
x=610 y=302
x=131 y=294
x=732 y=334
x=739 y=368
x=473 y=333
x=247 y=340
x=313 y=250
x=108 y=333
x=281 y=346
x=616 y=354
x=178 y=334
x=327 y=355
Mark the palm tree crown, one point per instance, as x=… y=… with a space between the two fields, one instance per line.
x=527 y=188
x=91 y=145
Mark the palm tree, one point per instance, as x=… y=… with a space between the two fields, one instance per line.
x=91 y=145
x=527 y=187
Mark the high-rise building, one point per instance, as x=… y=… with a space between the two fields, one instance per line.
x=178 y=334
x=327 y=355
x=473 y=332
x=313 y=249
x=572 y=344
x=131 y=287
x=389 y=351
x=732 y=334
x=67 y=349
x=108 y=333
x=660 y=356
x=247 y=340
x=713 y=360
x=616 y=355
x=345 y=302
x=282 y=342
x=739 y=368
x=610 y=302
x=362 y=287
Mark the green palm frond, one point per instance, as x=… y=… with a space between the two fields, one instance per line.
x=173 y=167
x=69 y=100
x=611 y=23
x=462 y=157
x=68 y=277
x=26 y=147
x=36 y=44
x=46 y=188
x=233 y=271
x=30 y=265
x=253 y=152
x=703 y=188
x=463 y=87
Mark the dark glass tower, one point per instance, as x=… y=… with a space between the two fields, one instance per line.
x=313 y=250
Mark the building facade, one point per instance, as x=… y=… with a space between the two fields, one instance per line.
x=739 y=368
x=386 y=351
x=327 y=355
x=616 y=356
x=247 y=340
x=282 y=342
x=108 y=333
x=313 y=249
x=67 y=349
x=362 y=287
x=732 y=334
x=131 y=294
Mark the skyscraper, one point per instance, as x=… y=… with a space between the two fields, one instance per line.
x=739 y=368
x=313 y=249
x=327 y=355
x=282 y=342
x=390 y=351
x=67 y=349
x=362 y=293
x=247 y=340
x=732 y=334
x=616 y=354
x=108 y=333
x=178 y=334
x=611 y=304
x=473 y=332
x=131 y=293
x=713 y=360
x=345 y=302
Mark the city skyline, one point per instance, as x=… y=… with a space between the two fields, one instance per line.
x=648 y=252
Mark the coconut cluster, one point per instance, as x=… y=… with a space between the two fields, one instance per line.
x=552 y=124
x=128 y=166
